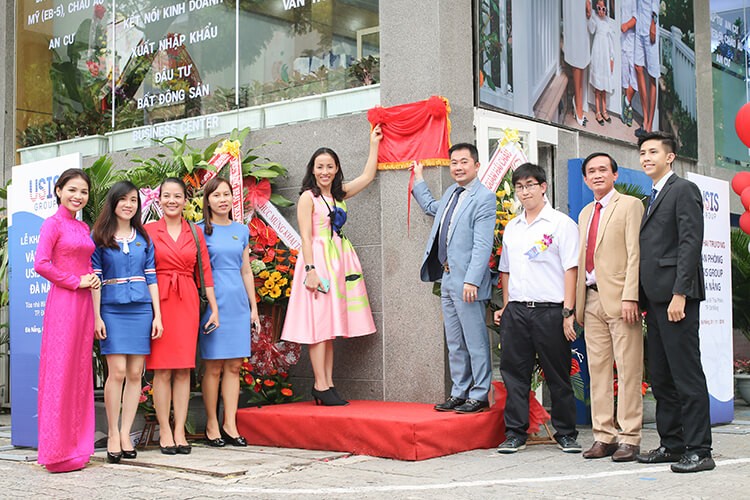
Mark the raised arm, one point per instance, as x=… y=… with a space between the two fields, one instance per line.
x=371 y=167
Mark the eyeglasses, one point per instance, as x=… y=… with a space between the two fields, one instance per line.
x=526 y=187
x=601 y=9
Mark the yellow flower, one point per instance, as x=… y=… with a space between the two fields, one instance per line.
x=282 y=282
x=275 y=292
x=264 y=275
x=270 y=283
x=507 y=204
x=504 y=222
x=231 y=147
x=501 y=193
x=288 y=292
x=263 y=292
x=276 y=276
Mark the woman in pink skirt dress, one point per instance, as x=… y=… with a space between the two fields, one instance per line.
x=328 y=297
x=66 y=381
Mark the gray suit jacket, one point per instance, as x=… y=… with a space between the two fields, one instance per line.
x=469 y=243
x=671 y=243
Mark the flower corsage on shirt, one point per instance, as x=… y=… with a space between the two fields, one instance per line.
x=539 y=247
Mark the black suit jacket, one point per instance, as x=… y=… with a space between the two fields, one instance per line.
x=671 y=242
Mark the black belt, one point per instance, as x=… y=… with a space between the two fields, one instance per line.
x=593 y=287
x=532 y=304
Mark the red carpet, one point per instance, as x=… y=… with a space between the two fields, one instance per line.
x=405 y=431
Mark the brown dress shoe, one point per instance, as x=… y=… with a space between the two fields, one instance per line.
x=626 y=453
x=600 y=450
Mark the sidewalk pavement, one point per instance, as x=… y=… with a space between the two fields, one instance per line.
x=539 y=471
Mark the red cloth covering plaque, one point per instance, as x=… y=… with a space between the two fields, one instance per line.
x=417 y=131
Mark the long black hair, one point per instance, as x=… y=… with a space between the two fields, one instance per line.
x=68 y=175
x=106 y=224
x=209 y=188
x=309 y=183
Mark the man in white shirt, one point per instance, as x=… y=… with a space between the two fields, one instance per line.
x=538 y=269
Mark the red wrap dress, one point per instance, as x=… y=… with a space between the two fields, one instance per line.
x=176 y=266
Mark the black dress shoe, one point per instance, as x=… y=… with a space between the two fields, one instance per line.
x=660 y=455
x=234 y=441
x=129 y=454
x=114 y=458
x=450 y=404
x=216 y=443
x=472 y=406
x=168 y=450
x=692 y=461
x=184 y=449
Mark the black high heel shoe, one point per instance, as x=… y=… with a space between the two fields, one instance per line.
x=129 y=454
x=216 y=443
x=168 y=450
x=327 y=398
x=114 y=458
x=234 y=441
x=184 y=449
x=336 y=393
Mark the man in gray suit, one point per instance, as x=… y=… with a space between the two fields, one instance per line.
x=458 y=254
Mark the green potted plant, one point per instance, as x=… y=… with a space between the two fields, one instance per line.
x=742 y=378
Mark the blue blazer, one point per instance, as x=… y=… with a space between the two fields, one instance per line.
x=469 y=241
x=125 y=277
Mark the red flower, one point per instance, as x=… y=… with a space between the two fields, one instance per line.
x=269 y=383
x=286 y=392
x=247 y=366
x=575 y=366
x=249 y=379
x=257 y=388
x=99 y=11
x=269 y=256
x=262 y=234
x=283 y=374
x=274 y=372
x=93 y=68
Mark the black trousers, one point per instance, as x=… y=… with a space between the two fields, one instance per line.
x=525 y=333
x=677 y=379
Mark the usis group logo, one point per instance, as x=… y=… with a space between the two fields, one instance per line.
x=710 y=204
x=42 y=192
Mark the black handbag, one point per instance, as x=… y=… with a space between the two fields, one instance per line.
x=202 y=298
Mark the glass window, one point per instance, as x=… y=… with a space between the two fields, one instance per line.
x=85 y=69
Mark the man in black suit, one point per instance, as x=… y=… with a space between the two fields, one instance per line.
x=671 y=288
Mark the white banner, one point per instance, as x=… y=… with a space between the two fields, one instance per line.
x=505 y=157
x=716 y=310
x=286 y=232
x=31 y=199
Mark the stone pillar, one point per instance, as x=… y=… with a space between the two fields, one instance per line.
x=7 y=88
x=426 y=49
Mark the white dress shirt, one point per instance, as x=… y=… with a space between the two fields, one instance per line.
x=537 y=255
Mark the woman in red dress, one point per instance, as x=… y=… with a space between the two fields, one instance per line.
x=173 y=355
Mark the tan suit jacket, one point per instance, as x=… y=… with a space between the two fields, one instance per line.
x=616 y=264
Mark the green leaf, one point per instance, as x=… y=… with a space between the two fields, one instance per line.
x=280 y=201
x=264 y=173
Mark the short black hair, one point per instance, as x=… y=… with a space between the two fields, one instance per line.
x=590 y=157
x=668 y=140
x=465 y=145
x=529 y=170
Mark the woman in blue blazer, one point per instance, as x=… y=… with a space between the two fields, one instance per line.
x=126 y=308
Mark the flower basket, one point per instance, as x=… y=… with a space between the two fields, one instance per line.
x=274 y=314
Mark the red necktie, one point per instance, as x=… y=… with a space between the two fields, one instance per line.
x=591 y=241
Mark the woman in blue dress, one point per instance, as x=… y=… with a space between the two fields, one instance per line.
x=223 y=349
x=126 y=308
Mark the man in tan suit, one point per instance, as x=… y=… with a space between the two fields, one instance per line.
x=607 y=306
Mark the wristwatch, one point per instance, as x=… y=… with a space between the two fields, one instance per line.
x=309 y=267
x=567 y=313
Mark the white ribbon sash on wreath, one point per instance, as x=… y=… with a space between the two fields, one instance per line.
x=229 y=152
x=278 y=223
x=507 y=155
